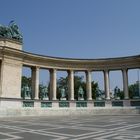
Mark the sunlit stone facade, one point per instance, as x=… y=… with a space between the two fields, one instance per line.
x=13 y=59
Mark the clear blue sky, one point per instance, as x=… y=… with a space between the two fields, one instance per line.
x=76 y=28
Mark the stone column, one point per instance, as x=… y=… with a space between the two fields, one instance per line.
x=35 y=82
x=53 y=84
x=71 y=84
x=88 y=85
x=106 y=84
x=125 y=83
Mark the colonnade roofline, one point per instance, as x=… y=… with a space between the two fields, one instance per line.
x=83 y=59
x=31 y=59
x=69 y=58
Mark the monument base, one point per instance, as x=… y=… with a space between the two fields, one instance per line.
x=28 y=98
x=46 y=99
x=63 y=99
x=80 y=99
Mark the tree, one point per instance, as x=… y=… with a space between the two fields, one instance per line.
x=134 y=90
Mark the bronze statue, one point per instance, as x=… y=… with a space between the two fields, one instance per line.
x=63 y=92
x=11 y=31
x=80 y=93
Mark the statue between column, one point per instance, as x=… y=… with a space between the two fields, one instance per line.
x=80 y=93
x=63 y=94
x=26 y=92
x=44 y=93
x=117 y=93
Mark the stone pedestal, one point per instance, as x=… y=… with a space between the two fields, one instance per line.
x=46 y=98
x=72 y=104
x=80 y=99
x=55 y=104
x=63 y=99
x=126 y=103
x=10 y=43
x=90 y=104
x=108 y=103
x=11 y=70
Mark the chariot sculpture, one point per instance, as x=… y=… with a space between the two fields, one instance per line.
x=11 y=31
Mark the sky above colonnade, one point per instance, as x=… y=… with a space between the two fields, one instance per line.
x=76 y=28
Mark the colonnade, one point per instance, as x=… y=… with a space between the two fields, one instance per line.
x=13 y=59
x=53 y=83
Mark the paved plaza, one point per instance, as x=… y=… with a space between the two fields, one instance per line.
x=71 y=128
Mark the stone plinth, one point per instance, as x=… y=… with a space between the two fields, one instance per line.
x=11 y=71
x=11 y=43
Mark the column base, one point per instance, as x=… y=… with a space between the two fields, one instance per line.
x=108 y=103
x=90 y=99
x=46 y=99
x=55 y=99
x=107 y=98
x=63 y=99
x=72 y=104
x=80 y=99
x=71 y=99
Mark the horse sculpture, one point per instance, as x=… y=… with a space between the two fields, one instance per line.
x=11 y=31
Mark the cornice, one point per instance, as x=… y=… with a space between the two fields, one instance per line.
x=30 y=59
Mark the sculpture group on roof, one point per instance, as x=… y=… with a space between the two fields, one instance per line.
x=11 y=31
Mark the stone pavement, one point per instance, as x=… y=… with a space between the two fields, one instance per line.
x=71 y=128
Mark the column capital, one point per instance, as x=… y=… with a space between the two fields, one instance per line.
x=53 y=70
x=35 y=67
x=70 y=70
x=88 y=71
x=106 y=70
x=124 y=69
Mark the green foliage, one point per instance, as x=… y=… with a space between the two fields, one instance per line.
x=133 y=90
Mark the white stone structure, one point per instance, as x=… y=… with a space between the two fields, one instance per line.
x=12 y=60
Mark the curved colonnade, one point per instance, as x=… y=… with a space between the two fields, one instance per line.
x=13 y=59
x=53 y=64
